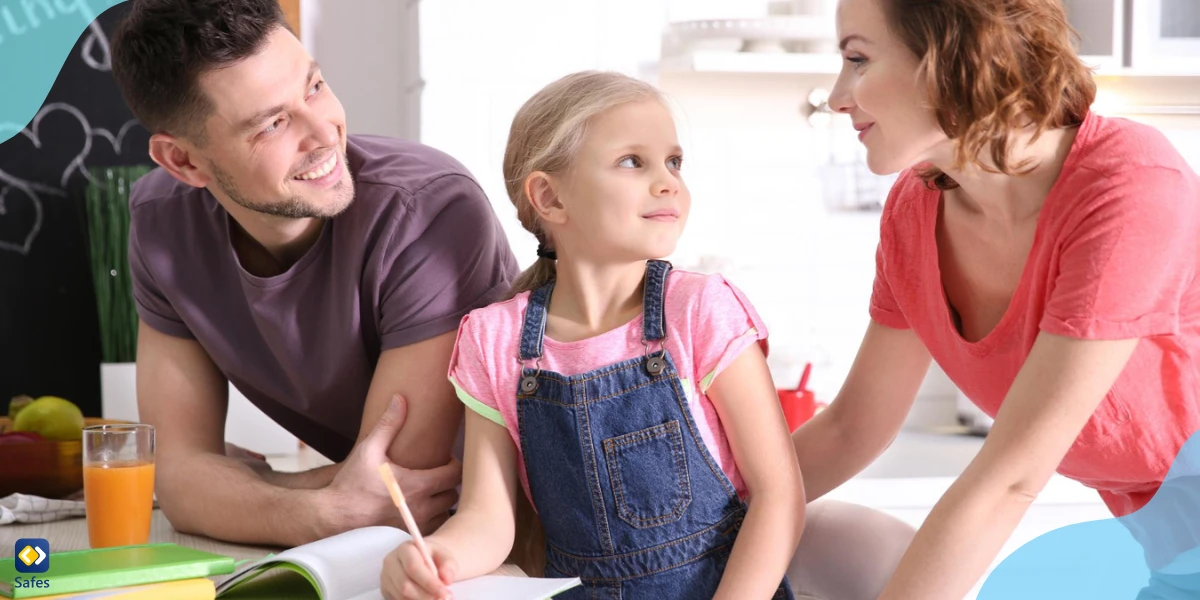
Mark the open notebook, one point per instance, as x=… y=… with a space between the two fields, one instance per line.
x=347 y=566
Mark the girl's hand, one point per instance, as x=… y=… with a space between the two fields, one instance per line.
x=406 y=575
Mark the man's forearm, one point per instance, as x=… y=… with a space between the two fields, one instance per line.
x=225 y=499
x=311 y=479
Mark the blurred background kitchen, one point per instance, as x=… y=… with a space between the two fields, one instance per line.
x=784 y=205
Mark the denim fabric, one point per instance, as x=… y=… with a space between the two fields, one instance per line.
x=631 y=500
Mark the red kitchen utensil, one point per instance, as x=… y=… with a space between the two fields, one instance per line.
x=799 y=405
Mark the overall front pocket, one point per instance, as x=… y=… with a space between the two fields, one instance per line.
x=649 y=475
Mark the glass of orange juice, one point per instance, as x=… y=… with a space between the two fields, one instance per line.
x=118 y=483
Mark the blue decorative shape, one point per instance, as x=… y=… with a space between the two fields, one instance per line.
x=35 y=38
x=1151 y=554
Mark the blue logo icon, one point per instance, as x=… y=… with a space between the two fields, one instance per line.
x=32 y=555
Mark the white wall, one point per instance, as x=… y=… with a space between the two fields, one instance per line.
x=482 y=60
x=369 y=54
x=753 y=161
x=750 y=160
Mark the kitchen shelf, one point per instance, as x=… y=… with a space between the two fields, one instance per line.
x=715 y=61
x=710 y=61
x=1136 y=72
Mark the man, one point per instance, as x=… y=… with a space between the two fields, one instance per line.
x=320 y=273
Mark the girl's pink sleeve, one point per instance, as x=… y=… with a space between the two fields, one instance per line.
x=727 y=325
x=470 y=375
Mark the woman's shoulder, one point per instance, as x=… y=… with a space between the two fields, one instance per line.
x=908 y=194
x=1112 y=146
x=1118 y=166
x=904 y=218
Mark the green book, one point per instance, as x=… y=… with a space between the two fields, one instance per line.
x=86 y=570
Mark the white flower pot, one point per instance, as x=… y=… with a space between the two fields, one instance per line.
x=118 y=391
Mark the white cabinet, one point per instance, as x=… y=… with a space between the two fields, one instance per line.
x=1115 y=37
x=1145 y=37
x=1165 y=36
x=1100 y=25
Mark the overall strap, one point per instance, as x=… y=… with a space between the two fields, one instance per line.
x=654 y=327
x=535 y=323
x=654 y=318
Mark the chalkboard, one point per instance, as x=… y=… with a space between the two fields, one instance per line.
x=49 y=331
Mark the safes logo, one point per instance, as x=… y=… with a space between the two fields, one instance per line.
x=32 y=555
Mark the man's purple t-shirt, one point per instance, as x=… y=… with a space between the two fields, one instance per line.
x=418 y=248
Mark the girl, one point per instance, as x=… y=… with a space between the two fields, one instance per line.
x=1044 y=255
x=629 y=401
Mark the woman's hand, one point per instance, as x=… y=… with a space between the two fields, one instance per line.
x=406 y=575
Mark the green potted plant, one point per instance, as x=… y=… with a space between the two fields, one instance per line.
x=107 y=208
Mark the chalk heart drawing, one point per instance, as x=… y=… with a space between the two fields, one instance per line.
x=71 y=126
x=20 y=216
x=21 y=210
x=56 y=141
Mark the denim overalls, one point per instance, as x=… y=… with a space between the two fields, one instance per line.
x=631 y=500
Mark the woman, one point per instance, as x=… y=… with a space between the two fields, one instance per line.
x=1045 y=256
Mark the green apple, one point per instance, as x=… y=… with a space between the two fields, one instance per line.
x=53 y=417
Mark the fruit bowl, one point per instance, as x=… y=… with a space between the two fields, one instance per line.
x=43 y=468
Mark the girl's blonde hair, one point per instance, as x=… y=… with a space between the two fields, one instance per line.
x=546 y=134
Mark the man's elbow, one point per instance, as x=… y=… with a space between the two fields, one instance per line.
x=177 y=507
x=179 y=492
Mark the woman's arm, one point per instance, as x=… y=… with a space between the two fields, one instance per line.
x=868 y=412
x=476 y=540
x=748 y=405
x=1052 y=398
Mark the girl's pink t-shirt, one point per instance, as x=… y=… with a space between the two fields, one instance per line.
x=709 y=322
x=1114 y=256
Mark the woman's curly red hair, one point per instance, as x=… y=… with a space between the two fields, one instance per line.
x=991 y=68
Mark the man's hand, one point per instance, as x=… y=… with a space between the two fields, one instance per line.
x=254 y=460
x=359 y=498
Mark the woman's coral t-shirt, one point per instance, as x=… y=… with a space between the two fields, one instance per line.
x=1114 y=256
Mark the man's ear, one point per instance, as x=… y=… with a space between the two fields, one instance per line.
x=542 y=191
x=179 y=158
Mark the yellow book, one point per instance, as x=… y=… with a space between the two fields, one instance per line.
x=184 y=589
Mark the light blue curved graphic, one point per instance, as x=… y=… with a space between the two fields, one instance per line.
x=35 y=38
x=1151 y=554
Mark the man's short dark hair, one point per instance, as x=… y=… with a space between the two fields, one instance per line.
x=163 y=46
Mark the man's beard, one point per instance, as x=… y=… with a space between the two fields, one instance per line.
x=292 y=207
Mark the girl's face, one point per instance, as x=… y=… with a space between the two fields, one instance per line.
x=624 y=199
x=878 y=88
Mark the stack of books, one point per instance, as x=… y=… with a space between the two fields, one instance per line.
x=146 y=572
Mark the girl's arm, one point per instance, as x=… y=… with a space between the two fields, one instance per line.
x=864 y=418
x=1055 y=393
x=752 y=418
x=480 y=534
x=477 y=539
